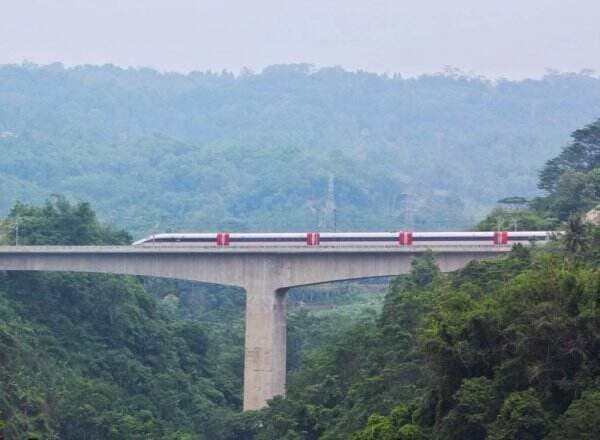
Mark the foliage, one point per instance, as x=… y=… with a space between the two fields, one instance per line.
x=582 y=155
x=60 y=222
x=395 y=427
x=522 y=219
x=572 y=179
x=94 y=356
x=522 y=417
x=581 y=419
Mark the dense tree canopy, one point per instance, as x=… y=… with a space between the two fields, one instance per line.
x=59 y=222
x=95 y=356
x=572 y=179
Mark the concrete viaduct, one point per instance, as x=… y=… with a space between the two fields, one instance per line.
x=265 y=273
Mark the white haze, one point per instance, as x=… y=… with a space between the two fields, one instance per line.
x=508 y=38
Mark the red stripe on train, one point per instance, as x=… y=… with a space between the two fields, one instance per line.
x=405 y=238
x=500 y=237
x=223 y=239
x=313 y=238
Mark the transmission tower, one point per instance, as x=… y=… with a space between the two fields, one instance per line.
x=330 y=204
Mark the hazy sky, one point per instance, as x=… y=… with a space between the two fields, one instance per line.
x=512 y=38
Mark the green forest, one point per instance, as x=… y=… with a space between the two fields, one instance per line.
x=257 y=151
x=503 y=349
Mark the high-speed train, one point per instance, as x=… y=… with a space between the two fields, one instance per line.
x=349 y=239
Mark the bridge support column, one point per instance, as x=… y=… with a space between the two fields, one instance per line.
x=265 y=347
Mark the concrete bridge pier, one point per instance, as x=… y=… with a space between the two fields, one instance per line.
x=265 y=348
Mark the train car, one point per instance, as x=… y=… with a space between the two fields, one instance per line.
x=345 y=239
x=206 y=239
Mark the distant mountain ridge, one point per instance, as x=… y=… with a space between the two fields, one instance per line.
x=256 y=151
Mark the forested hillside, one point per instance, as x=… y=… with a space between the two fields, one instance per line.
x=504 y=349
x=88 y=356
x=204 y=151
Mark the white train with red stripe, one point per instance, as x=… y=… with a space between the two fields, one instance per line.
x=349 y=239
